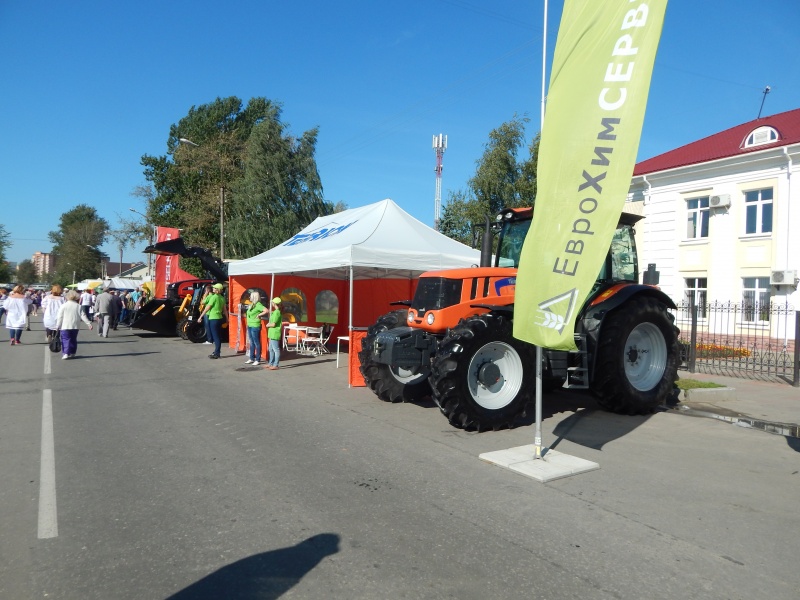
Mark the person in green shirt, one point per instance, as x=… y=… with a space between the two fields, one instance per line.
x=255 y=311
x=217 y=310
x=274 y=327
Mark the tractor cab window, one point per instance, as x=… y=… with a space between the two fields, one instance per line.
x=511 y=239
x=621 y=263
x=434 y=293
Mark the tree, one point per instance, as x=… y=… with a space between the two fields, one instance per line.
x=5 y=242
x=26 y=272
x=81 y=231
x=270 y=180
x=280 y=192
x=500 y=181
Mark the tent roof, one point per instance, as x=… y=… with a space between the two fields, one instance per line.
x=122 y=283
x=377 y=240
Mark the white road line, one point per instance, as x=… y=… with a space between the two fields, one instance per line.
x=48 y=516
x=47 y=360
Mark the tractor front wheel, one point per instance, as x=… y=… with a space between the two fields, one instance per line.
x=483 y=377
x=391 y=384
x=195 y=332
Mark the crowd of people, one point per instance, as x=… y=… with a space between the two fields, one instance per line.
x=62 y=312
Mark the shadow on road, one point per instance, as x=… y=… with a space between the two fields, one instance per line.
x=588 y=425
x=79 y=356
x=263 y=576
x=594 y=428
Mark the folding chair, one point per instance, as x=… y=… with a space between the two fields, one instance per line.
x=312 y=342
x=327 y=331
x=291 y=338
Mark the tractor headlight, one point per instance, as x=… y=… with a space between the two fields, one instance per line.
x=410 y=316
x=431 y=318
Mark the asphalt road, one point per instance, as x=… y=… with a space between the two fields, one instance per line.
x=175 y=476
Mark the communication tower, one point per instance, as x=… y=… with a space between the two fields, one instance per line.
x=439 y=146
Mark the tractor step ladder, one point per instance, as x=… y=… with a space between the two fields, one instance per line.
x=578 y=377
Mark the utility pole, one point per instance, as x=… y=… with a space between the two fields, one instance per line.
x=439 y=146
x=221 y=223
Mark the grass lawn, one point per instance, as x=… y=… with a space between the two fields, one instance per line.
x=693 y=384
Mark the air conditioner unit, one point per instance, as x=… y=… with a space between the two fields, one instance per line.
x=783 y=277
x=721 y=201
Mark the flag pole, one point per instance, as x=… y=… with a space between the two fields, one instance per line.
x=537 y=436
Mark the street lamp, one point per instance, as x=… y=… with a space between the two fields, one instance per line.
x=221 y=206
x=102 y=262
x=152 y=235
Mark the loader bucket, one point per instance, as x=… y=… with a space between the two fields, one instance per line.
x=157 y=316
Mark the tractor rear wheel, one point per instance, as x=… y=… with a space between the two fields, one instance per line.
x=637 y=358
x=483 y=377
x=391 y=384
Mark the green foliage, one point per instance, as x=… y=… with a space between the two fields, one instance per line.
x=270 y=180
x=459 y=215
x=26 y=273
x=693 y=384
x=5 y=243
x=81 y=231
x=280 y=193
x=500 y=181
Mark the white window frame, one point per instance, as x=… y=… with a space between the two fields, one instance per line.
x=761 y=136
x=759 y=203
x=759 y=294
x=697 y=288
x=698 y=216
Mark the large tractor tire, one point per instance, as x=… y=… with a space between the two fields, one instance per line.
x=196 y=332
x=482 y=377
x=391 y=384
x=637 y=358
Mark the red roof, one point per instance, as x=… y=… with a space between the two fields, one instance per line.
x=726 y=143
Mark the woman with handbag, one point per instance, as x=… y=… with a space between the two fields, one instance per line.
x=68 y=321
x=50 y=305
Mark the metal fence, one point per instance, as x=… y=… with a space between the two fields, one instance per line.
x=740 y=339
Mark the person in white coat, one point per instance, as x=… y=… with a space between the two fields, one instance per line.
x=50 y=305
x=16 y=306
x=68 y=321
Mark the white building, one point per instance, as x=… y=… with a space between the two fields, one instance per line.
x=723 y=214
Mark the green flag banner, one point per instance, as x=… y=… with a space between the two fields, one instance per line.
x=595 y=108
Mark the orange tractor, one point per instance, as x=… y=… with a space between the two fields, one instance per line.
x=454 y=340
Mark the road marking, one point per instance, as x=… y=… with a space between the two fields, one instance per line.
x=47 y=360
x=48 y=517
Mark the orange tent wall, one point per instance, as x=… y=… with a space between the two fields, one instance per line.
x=371 y=299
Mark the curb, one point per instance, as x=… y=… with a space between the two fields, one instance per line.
x=720 y=394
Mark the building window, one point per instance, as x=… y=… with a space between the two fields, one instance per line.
x=696 y=290
x=762 y=135
x=697 y=218
x=755 y=299
x=758 y=211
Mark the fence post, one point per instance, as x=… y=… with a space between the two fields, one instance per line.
x=692 y=357
x=796 y=374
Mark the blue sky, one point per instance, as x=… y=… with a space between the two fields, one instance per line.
x=88 y=87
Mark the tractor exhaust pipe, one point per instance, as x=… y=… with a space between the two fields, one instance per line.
x=486 y=244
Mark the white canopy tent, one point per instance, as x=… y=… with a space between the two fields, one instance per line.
x=122 y=283
x=368 y=241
